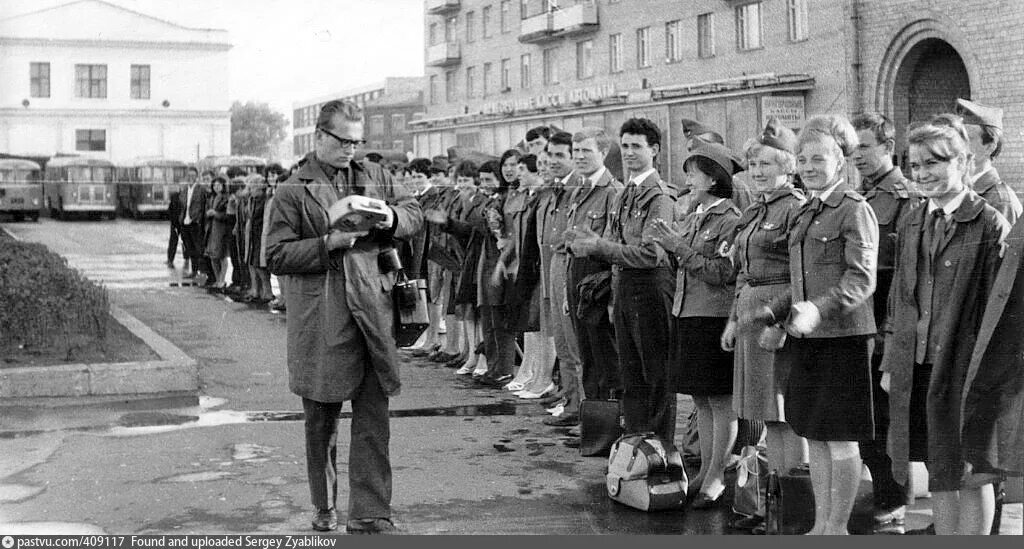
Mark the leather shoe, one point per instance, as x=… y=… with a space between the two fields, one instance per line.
x=455 y=361
x=325 y=520
x=371 y=526
x=564 y=420
x=896 y=514
x=704 y=501
x=926 y=531
x=746 y=523
x=494 y=382
x=891 y=528
x=549 y=401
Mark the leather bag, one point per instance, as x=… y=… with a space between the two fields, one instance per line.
x=646 y=473
x=797 y=502
x=600 y=426
x=410 y=304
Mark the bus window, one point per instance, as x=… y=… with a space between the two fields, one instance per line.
x=102 y=175
x=78 y=174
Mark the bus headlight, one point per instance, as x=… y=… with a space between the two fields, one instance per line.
x=35 y=201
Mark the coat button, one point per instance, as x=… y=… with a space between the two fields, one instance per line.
x=948 y=263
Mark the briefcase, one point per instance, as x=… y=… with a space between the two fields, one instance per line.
x=797 y=502
x=600 y=426
x=410 y=308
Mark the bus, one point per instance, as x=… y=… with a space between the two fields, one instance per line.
x=76 y=184
x=21 y=188
x=220 y=164
x=145 y=185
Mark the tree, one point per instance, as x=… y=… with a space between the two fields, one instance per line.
x=256 y=129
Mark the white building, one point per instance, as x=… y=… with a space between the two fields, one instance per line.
x=93 y=78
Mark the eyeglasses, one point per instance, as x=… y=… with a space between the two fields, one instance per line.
x=345 y=142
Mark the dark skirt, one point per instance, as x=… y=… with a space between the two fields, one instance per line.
x=828 y=393
x=699 y=365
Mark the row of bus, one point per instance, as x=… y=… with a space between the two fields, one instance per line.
x=64 y=185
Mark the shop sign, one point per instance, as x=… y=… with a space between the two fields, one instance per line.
x=789 y=109
x=577 y=96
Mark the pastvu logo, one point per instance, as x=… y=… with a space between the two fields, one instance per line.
x=7 y=542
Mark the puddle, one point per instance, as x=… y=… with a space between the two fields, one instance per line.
x=203 y=476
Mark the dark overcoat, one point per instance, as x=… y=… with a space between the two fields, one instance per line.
x=993 y=404
x=340 y=312
x=973 y=251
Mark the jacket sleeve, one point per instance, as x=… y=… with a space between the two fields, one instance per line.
x=288 y=250
x=646 y=254
x=717 y=270
x=408 y=216
x=860 y=251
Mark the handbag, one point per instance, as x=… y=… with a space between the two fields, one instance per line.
x=751 y=482
x=410 y=304
x=600 y=426
x=646 y=473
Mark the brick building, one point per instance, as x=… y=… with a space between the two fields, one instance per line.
x=497 y=67
x=388 y=106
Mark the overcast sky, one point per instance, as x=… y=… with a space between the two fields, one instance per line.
x=290 y=50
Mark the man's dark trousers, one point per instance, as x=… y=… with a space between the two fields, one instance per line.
x=369 y=463
x=598 y=356
x=193 y=238
x=172 y=242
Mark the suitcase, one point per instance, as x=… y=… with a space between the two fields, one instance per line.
x=600 y=426
x=646 y=473
x=797 y=502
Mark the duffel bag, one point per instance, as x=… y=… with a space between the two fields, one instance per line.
x=646 y=473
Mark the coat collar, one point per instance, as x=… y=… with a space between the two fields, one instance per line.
x=987 y=180
x=891 y=182
x=971 y=207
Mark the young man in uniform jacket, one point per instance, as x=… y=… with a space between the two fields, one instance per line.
x=892 y=197
x=643 y=281
x=985 y=129
x=340 y=338
x=590 y=207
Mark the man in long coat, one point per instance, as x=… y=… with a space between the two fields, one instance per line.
x=340 y=314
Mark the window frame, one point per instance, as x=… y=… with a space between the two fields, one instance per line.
x=376 y=124
x=797 y=20
x=36 y=80
x=470 y=19
x=485 y=79
x=432 y=89
x=585 y=59
x=743 y=42
x=90 y=139
x=144 y=86
x=470 y=82
x=398 y=122
x=616 y=57
x=674 y=41
x=706 y=36
x=525 y=71
x=549 y=63
x=506 y=16
x=450 y=87
x=485 y=22
x=93 y=86
x=505 y=78
x=643 y=48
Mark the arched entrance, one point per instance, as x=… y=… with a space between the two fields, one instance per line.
x=930 y=77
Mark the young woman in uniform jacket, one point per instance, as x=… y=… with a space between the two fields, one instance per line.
x=833 y=251
x=705 y=287
x=948 y=254
x=762 y=265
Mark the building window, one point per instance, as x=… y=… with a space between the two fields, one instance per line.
x=673 y=42
x=140 y=81
x=486 y=21
x=449 y=86
x=470 y=82
x=398 y=145
x=90 y=140
x=524 y=9
x=506 y=16
x=470 y=26
x=488 y=77
x=39 y=79
x=433 y=34
x=377 y=124
x=585 y=59
x=524 y=71
x=643 y=47
x=432 y=92
x=748 y=26
x=706 y=35
x=615 y=53
x=91 y=81
x=550 y=60
x=506 y=75
x=397 y=122
x=797 y=20
x=449 y=29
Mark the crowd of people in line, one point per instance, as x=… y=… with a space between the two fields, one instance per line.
x=833 y=315
x=820 y=303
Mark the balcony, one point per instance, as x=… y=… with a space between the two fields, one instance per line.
x=574 y=20
x=439 y=7
x=444 y=54
x=538 y=28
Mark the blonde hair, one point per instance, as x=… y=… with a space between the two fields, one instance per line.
x=834 y=126
x=945 y=138
x=783 y=159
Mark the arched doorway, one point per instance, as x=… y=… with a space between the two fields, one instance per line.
x=930 y=77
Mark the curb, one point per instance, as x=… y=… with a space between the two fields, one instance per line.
x=174 y=372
